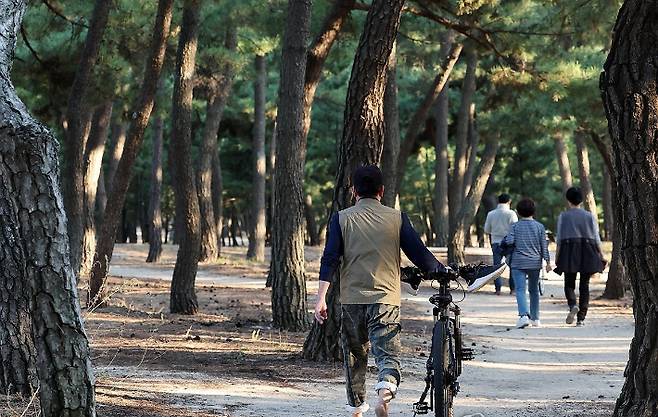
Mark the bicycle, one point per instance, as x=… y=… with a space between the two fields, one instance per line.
x=444 y=364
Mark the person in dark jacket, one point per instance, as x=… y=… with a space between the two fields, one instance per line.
x=578 y=252
x=363 y=247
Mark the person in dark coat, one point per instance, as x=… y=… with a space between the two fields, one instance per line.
x=578 y=252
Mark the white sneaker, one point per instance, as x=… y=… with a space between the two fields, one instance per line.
x=523 y=322
x=535 y=323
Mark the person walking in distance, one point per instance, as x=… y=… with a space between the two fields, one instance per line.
x=364 y=243
x=530 y=248
x=578 y=252
x=497 y=226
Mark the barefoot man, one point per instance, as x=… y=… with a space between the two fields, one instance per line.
x=364 y=241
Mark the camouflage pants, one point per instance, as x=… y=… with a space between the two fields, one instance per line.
x=377 y=325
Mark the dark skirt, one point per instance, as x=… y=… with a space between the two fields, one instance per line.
x=579 y=255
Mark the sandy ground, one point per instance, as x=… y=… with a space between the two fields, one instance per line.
x=228 y=361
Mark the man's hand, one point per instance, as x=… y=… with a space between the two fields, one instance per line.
x=549 y=267
x=321 y=310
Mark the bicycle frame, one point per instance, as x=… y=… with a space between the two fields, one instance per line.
x=447 y=314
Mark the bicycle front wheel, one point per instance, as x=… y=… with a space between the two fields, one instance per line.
x=441 y=368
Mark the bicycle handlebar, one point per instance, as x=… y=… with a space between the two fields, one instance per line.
x=451 y=274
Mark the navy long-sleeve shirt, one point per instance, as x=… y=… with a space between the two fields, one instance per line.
x=410 y=244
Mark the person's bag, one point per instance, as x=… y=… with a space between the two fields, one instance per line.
x=604 y=262
x=506 y=249
x=542 y=278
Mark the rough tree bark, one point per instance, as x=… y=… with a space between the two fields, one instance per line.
x=316 y=57
x=218 y=198
x=461 y=138
x=219 y=90
x=17 y=355
x=141 y=113
x=256 y=250
x=441 y=115
x=155 y=214
x=272 y=162
x=583 y=168
x=471 y=203
x=391 y=149
x=74 y=145
x=563 y=162
x=33 y=218
x=287 y=267
x=606 y=199
x=361 y=143
x=420 y=115
x=93 y=166
x=630 y=97
x=183 y=296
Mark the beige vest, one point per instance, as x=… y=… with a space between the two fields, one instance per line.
x=370 y=271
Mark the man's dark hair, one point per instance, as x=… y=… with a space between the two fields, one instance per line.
x=504 y=198
x=526 y=207
x=574 y=196
x=367 y=180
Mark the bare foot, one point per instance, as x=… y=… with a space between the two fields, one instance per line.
x=385 y=396
x=357 y=414
x=381 y=409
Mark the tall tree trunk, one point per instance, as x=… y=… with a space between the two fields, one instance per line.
x=17 y=355
x=615 y=285
x=183 y=296
x=441 y=114
x=33 y=218
x=563 y=162
x=178 y=209
x=218 y=97
x=361 y=143
x=317 y=55
x=473 y=142
x=606 y=197
x=272 y=161
x=155 y=214
x=583 y=168
x=93 y=167
x=101 y=198
x=311 y=224
x=420 y=115
x=287 y=267
x=461 y=138
x=117 y=143
x=471 y=165
x=630 y=98
x=74 y=145
x=141 y=113
x=217 y=198
x=392 y=138
x=472 y=202
x=256 y=249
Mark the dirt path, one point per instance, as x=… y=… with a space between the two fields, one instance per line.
x=556 y=370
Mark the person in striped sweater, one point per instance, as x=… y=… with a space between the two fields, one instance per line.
x=530 y=248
